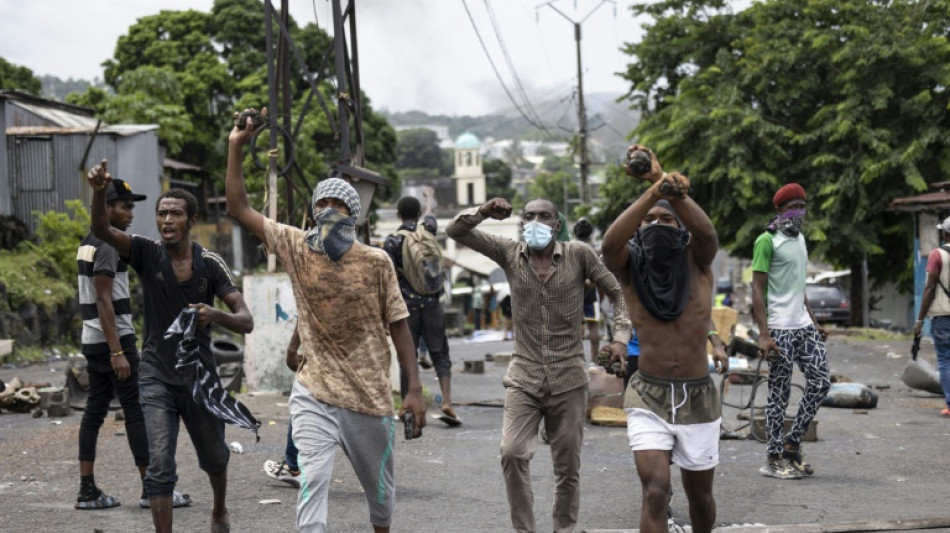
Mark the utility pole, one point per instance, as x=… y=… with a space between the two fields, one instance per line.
x=272 y=153
x=581 y=110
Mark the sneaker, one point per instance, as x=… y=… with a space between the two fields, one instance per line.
x=945 y=412
x=797 y=461
x=280 y=472
x=178 y=500
x=673 y=527
x=780 y=467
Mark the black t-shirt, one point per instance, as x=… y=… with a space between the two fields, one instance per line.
x=165 y=297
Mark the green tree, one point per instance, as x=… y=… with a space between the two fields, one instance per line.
x=847 y=98
x=211 y=64
x=553 y=186
x=19 y=78
x=498 y=180
x=146 y=95
x=418 y=148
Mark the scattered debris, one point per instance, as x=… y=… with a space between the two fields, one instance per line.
x=269 y=502
x=236 y=447
x=120 y=415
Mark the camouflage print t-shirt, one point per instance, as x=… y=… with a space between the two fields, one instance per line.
x=344 y=311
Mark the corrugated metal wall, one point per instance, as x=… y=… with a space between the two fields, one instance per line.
x=45 y=171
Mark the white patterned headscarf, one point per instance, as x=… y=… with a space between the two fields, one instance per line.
x=339 y=189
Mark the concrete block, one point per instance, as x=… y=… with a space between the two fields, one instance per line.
x=476 y=366
x=52 y=396
x=811 y=435
x=502 y=359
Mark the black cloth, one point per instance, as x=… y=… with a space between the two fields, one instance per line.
x=203 y=379
x=165 y=297
x=659 y=271
x=393 y=247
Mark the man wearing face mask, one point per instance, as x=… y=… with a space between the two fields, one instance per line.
x=788 y=332
x=546 y=379
x=661 y=249
x=348 y=301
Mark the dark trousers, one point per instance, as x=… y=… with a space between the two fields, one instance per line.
x=103 y=385
x=291 y=453
x=428 y=322
x=163 y=405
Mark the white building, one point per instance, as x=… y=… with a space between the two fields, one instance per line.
x=469 y=177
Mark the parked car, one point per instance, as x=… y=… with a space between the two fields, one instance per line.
x=829 y=303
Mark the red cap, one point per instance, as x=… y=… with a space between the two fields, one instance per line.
x=788 y=192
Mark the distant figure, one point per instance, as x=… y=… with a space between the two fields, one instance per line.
x=418 y=261
x=478 y=303
x=288 y=468
x=583 y=230
x=936 y=305
x=787 y=332
x=546 y=380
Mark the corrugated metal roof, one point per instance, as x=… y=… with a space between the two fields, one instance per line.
x=180 y=165
x=57 y=117
x=122 y=130
x=922 y=202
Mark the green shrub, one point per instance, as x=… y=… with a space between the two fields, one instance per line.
x=45 y=273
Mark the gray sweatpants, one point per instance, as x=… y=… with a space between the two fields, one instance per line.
x=365 y=439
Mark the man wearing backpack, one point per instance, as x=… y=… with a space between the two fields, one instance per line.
x=418 y=260
x=936 y=305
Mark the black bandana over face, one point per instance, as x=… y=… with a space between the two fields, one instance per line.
x=659 y=271
x=789 y=222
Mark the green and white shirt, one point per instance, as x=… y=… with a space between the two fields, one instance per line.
x=785 y=260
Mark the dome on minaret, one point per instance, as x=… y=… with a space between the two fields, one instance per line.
x=467 y=141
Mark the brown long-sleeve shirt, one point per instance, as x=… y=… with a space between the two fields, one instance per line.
x=547 y=314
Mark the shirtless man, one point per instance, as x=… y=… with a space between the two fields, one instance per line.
x=661 y=249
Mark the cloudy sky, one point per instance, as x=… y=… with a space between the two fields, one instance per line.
x=414 y=54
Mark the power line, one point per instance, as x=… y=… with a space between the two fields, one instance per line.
x=495 y=70
x=511 y=67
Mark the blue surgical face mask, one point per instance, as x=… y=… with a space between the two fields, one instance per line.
x=537 y=235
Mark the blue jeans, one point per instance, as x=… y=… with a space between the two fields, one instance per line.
x=940 y=329
x=163 y=405
x=290 y=454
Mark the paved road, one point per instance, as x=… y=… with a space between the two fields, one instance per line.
x=888 y=464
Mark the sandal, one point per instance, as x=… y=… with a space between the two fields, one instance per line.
x=178 y=500
x=104 y=501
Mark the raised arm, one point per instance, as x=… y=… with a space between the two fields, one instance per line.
x=99 y=179
x=236 y=195
x=703 y=241
x=462 y=229
x=614 y=245
x=607 y=284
